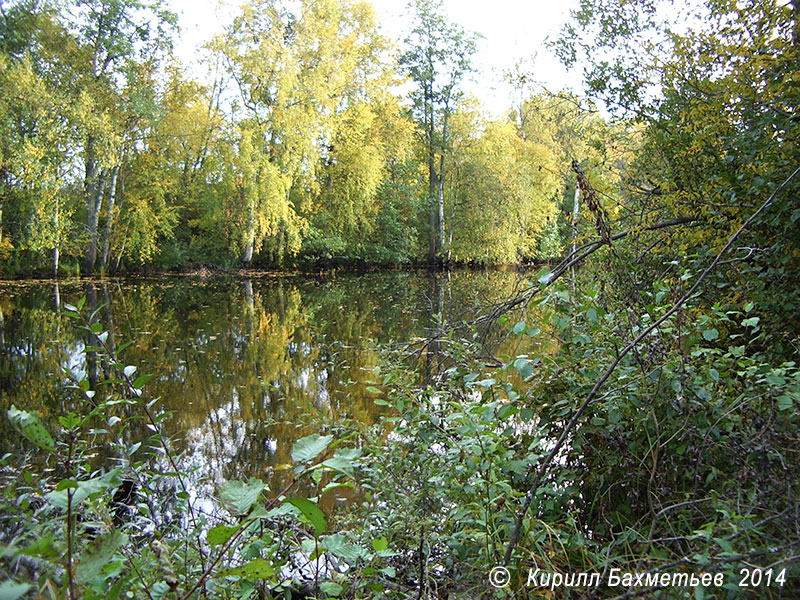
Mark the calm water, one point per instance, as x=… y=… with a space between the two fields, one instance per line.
x=244 y=365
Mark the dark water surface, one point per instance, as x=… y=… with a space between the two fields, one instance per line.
x=244 y=365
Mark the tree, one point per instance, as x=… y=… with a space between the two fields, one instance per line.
x=37 y=118
x=295 y=72
x=121 y=41
x=718 y=122
x=502 y=190
x=438 y=59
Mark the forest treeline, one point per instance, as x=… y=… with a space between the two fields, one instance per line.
x=312 y=139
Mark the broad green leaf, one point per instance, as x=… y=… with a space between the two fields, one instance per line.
x=380 y=544
x=41 y=547
x=256 y=569
x=139 y=382
x=340 y=546
x=12 y=591
x=92 y=564
x=30 y=425
x=84 y=489
x=331 y=589
x=310 y=511
x=239 y=496
x=337 y=484
x=309 y=447
x=518 y=328
x=343 y=460
x=710 y=334
x=751 y=322
x=785 y=403
x=486 y=383
x=221 y=534
x=524 y=366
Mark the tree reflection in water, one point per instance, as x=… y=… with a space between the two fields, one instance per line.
x=244 y=366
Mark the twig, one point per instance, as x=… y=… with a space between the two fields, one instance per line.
x=580 y=253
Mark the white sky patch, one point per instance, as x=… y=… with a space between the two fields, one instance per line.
x=512 y=30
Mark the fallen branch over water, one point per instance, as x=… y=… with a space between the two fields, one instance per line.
x=575 y=257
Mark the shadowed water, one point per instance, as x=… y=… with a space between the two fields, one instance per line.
x=245 y=366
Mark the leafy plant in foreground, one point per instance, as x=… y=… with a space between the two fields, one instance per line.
x=132 y=524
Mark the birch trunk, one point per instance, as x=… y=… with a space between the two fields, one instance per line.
x=110 y=219
x=94 y=203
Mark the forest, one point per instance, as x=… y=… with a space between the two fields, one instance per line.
x=298 y=149
x=579 y=378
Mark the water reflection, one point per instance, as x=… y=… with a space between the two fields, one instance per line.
x=245 y=366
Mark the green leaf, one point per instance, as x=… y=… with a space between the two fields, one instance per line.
x=710 y=334
x=139 y=382
x=93 y=563
x=751 y=322
x=84 y=490
x=311 y=512
x=220 y=534
x=330 y=588
x=341 y=546
x=343 y=460
x=30 y=425
x=524 y=366
x=380 y=544
x=486 y=383
x=239 y=496
x=70 y=421
x=373 y=390
x=785 y=403
x=12 y=591
x=308 y=448
x=724 y=544
x=41 y=547
x=256 y=569
x=519 y=328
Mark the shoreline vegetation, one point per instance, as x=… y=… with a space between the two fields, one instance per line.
x=299 y=270
x=643 y=440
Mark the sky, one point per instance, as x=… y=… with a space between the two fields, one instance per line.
x=512 y=30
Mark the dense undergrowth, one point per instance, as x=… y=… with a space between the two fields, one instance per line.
x=684 y=464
